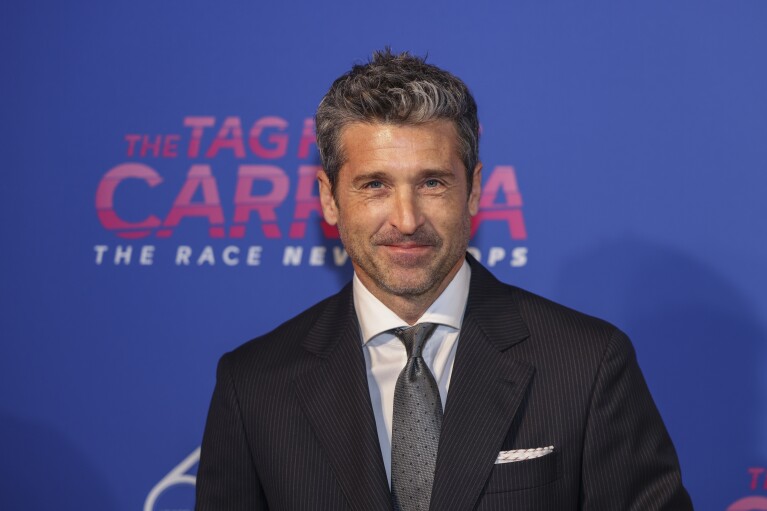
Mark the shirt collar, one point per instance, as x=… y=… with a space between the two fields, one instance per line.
x=375 y=318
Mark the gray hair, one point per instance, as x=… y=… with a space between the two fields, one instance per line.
x=401 y=90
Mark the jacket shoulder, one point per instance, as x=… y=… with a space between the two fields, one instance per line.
x=560 y=332
x=540 y=315
x=539 y=311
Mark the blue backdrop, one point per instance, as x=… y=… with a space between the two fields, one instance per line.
x=157 y=209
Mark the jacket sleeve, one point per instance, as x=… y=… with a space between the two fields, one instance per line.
x=629 y=462
x=226 y=478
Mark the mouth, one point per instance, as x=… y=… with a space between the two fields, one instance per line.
x=407 y=246
x=408 y=254
x=413 y=250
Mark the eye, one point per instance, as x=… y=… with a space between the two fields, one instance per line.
x=374 y=185
x=431 y=183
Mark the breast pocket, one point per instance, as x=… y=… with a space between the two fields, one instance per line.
x=519 y=475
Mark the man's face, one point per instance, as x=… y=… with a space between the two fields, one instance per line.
x=402 y=207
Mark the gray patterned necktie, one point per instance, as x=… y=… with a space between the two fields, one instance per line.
x=416 y=425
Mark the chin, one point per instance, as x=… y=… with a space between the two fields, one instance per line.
x=409 y=286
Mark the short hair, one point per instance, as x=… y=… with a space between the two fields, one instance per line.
x=400 y=89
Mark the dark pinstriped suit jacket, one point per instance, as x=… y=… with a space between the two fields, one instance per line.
x=291 y=427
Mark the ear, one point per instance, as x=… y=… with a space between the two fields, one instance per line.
x=329 y=206
x=476 y=190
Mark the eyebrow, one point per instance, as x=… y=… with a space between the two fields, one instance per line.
x=440 y=173
x=370 y=176
x=422 y=174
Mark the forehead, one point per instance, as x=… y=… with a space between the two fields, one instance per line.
x=431 y=143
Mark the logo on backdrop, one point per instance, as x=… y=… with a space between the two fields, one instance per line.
x=175 y=491
x=757 y=477
x=211 y=195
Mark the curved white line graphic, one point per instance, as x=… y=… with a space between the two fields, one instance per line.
x=174 y=477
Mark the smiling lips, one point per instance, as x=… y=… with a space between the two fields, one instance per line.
x=408 y=248
x=413 y=257
x=409 y=254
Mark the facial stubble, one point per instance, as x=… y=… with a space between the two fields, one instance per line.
x=434 y=272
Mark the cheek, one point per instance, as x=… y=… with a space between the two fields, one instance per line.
x=361 y=221
x=364 y=215
x=447 y=217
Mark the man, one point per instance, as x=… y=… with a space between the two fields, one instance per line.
x=342 y=406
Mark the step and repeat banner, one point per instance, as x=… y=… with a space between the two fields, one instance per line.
x=159 y=208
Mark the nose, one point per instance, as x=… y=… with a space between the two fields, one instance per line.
x=406 y=216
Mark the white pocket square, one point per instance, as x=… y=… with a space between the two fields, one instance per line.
x=523 y=454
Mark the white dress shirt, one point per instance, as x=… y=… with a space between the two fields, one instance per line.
x=385 y=355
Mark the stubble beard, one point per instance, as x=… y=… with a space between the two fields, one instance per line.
x=401 y=280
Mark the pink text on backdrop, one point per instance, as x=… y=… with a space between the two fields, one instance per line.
x=500 y=201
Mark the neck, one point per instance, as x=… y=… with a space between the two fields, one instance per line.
x=409 y=308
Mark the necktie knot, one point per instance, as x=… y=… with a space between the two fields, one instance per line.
x=415 y=337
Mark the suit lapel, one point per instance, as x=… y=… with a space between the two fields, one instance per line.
x=334 y=396
x=486 y=388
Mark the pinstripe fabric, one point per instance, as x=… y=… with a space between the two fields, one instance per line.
x=288 y=416
x=291 y=427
